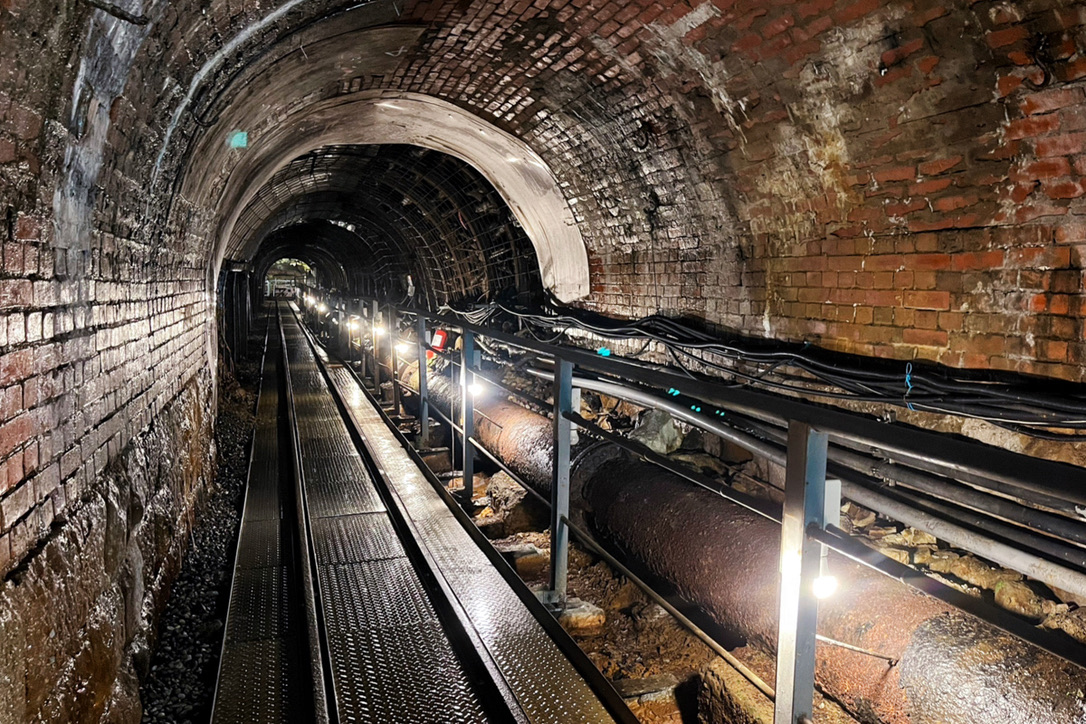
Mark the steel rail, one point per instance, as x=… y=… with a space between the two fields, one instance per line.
x=955 y=455
x=317 y=650
x=1024 y=562
x=859 y=493
x=1069 y=526
x=610 y=698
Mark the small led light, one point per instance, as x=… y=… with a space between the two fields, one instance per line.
x=402 y=347
x=378 y=331
x=824 y=586
x=353 y=325
x=322 y=308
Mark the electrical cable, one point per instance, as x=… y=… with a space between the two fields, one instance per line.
x=1019 y=407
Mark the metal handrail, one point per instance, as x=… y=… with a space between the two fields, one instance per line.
x=948 y=453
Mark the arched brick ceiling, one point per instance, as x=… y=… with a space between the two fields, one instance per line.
x=410 y=210
x=864 y=176
x=322 y=245
x=279 y=97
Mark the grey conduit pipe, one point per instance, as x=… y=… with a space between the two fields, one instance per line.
x=984 y=500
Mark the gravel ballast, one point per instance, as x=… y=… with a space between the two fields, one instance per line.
x=180 y=685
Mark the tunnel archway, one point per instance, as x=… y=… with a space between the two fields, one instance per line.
x=298 y=242
x=880 y=179
x=399 y=220
x=286 y=275
x=521 y=178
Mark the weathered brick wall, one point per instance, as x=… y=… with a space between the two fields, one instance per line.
x=897 y=178
x=105 y=382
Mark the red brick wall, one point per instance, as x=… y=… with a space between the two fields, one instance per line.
x=896 y=178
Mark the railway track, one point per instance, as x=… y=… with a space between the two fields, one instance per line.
x=358 y=594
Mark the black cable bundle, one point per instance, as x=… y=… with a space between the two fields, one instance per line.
x=1044 y=408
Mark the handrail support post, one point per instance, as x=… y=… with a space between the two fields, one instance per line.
x=563 y=433
x=467 y=414
x=393 y=328
x=800 y=564
x=424 y=395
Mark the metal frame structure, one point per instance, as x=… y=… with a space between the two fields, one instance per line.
x=805 y=504
x=811 y=501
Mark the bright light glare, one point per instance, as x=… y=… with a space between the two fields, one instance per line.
x=824 y=586
x=402 y=347
x=378 y=331
x=353 y=325
x=475 y=389
x=322 y=308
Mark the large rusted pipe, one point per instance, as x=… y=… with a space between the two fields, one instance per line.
x=515 y=435
x=953 y=668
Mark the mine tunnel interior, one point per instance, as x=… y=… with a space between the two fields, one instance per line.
x=391 y=221
x=679 y=361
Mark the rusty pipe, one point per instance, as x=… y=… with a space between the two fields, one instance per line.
x=519 y=437
x=953 y=668
x=1035 y=566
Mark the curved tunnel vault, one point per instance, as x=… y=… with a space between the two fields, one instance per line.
x=390 y=220
x=885 y=179
x=461 y=154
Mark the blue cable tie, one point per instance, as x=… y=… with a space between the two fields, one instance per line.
x=909 y=384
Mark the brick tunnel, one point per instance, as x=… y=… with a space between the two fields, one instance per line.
x=893 y=186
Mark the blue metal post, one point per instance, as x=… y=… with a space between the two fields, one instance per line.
x=376 y=365
x=424 y=395
x=467 y=412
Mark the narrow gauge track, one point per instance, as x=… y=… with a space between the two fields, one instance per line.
x=354 y=599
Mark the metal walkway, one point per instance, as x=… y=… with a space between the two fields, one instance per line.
x=389 y=655
x=416 y=623
x=259 y=680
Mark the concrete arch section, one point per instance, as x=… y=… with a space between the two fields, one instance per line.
x=519 y=174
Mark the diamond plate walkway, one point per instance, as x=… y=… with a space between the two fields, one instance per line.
x=545 y=683
x=390 y=657
x=416 y=624
x=259 y=682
